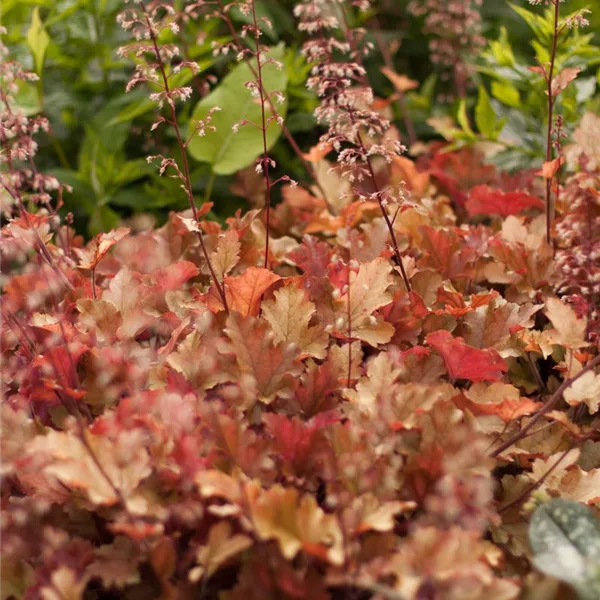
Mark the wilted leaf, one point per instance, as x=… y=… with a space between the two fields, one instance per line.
x=563 y=79
x=401 y=82
x=95 y=251
x=549 y=169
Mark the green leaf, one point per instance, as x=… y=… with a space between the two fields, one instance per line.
x=506 y=94
x=463 y=119
x=565 y=539
x=485 y=117
x=226 y=151
x=37 y=40
x=502 y=51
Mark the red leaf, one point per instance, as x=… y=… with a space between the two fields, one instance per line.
x=483 y=200
x=447 y=253
x=175 y=275
x=466 y=362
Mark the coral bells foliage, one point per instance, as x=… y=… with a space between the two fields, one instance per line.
x=156 y=443
x=178 y=422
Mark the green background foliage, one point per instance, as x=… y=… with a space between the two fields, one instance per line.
x=100 y=136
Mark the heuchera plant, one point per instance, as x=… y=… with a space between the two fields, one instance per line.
x=353 y=393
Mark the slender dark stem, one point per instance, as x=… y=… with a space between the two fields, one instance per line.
x=265 y=159
x=548 y=406
x=349 y=312
x=549 y=206
x=536 y=371
x=184 y=158
x=286 y=132
x=386 y=217
x=525 y=494
x=388 y=222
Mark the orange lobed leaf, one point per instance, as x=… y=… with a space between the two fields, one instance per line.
x=402 y=83
x=244 y=292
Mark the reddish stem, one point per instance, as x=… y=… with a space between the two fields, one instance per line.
x=286 y=132
x=548 y=406
x=265 y=161
x=184 y=159
x=549 y=207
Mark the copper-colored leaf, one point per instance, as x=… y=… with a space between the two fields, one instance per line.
x=271 y=366
x=298 y=524
x=245 y=291
x=99 y=246
x=563 y=79
x=289 y=315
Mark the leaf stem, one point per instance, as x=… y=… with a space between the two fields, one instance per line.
x=265 y=160
x=548 y=406
x=184 y=158
x=549 y=205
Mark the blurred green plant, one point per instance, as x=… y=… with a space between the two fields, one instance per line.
x=514 y=110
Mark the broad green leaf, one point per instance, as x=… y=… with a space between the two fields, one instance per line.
x=226 y=151
x=485 y=117
x=565 y=539
x=37 y=40
x=506 y=94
